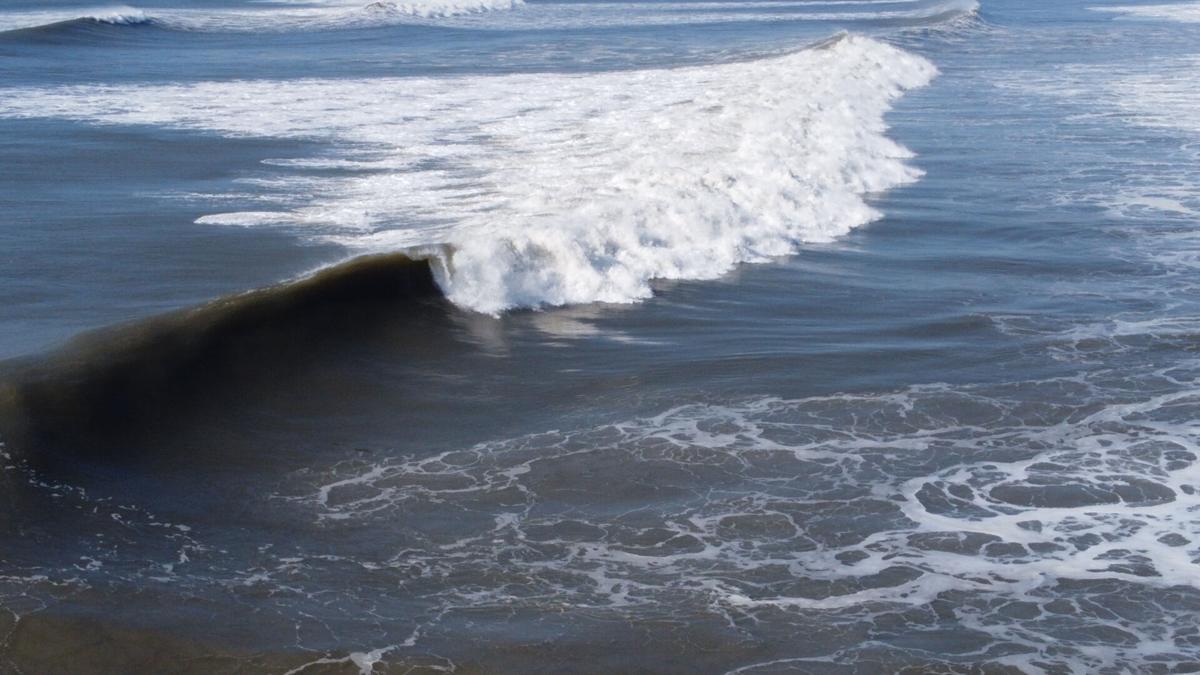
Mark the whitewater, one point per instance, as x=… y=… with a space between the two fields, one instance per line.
x=566 y=189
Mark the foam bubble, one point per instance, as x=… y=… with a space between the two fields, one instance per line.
x=552 y=189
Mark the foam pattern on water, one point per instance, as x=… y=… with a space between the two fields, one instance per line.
x=75 y=543
x=114 y=16
x=1183 y=12
x=1043 y=525
x=1031 y=513
x=555 y=189
x=1155 y=193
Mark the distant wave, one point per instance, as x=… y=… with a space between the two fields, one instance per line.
x=329 y=15
x=117 y=16
x=898 y=13
x=283 y=16
x=552 y=189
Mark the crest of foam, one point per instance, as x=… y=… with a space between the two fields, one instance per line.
x=1163 y=95
x=121 y=16
x=552 y=189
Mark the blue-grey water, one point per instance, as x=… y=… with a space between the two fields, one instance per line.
x=743 y=336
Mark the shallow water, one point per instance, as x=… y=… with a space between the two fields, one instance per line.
x=877 y=352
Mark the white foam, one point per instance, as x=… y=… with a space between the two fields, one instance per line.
x=1162 y=94
x=983 y=495
x=1156 y=94
x=553 y=189
x=1188 y=12
x=122 y=16
x=329 y=15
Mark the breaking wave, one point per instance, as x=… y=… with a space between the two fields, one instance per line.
x=117 y=16
x=553 y=189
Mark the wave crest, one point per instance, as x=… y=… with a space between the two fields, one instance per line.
x=126 y=16
x=551 y=189
x=115 y=16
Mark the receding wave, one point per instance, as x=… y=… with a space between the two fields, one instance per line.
x=149 y=371
x=555 y=189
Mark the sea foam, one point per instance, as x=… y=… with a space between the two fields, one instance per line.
x=1155 y=94
x=550 y=189
x=1066 y=505
x=1188 y=12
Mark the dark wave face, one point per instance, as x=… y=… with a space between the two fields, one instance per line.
x=110 y=386
x=731 y=336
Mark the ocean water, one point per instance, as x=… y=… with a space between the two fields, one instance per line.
x=730 y=336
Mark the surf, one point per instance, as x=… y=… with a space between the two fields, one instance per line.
x=537 y=190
